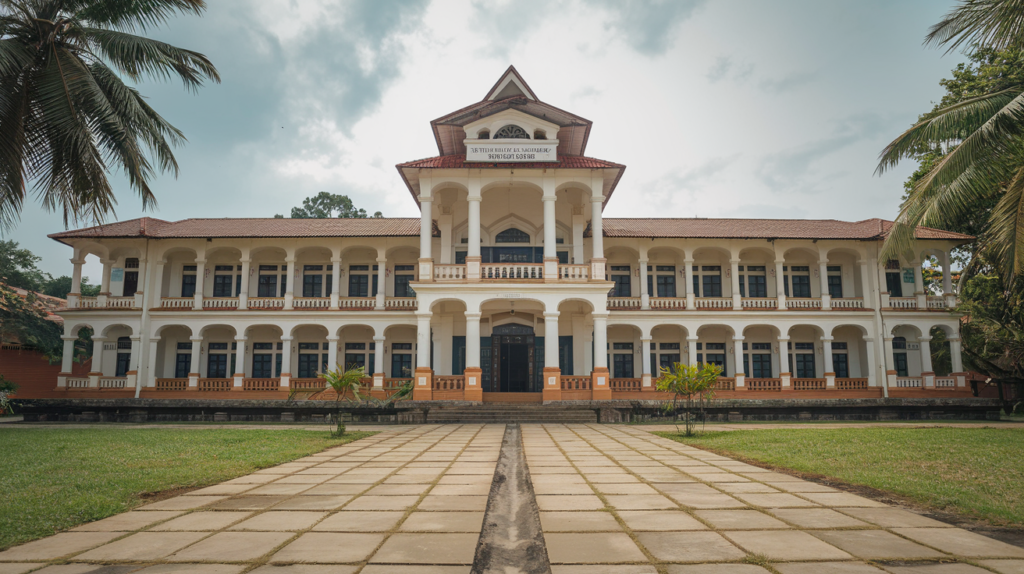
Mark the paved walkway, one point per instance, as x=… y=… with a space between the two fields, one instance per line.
x=612 y=499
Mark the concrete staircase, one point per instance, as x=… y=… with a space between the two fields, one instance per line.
x=510 y=413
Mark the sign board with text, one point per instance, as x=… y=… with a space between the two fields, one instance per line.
x=503 y=152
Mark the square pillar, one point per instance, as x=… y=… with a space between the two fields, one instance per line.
x=197 y=304
x=737 y=301
x=423 y=377
x=473 y=373
x=289 y=292
x=780 y=283
x=955 y=355
x=158 y=285
x=473 y=233
x=691 y=350
x=335 y=281
x=890 y=374
x=597 y=260
x=552 y=389
x=426 y=261
x=784 y=372
x=865 y=284
x=136 y=357
x=600 y=378
x=97 y=362
x=691 y=297
x=869 y=346
x=378 y=363
x=240 y=356
x=154 y=343
x=826 y=298
x=193 y=370
x=927 y=374
x=101 y=301
x=243 y=289
x=645 y=296
x=646 y=376
x=76 y=284
x=737 y=356
x=830 y=371
x=382 y=280
x=286 y=363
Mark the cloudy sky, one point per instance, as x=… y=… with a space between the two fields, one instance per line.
x=718 y=108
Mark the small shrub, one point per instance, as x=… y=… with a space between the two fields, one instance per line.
x=7 y=388
x=694 y=384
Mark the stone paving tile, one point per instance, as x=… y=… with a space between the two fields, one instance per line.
x=143 y=546
x=247 y=502
x=961 y=542
x=841 y=499
x=740 y=520
x=875 y=544
x=826 y=568
x=427 y=548
x=202 y=520
x=640 y=502
x=936 y=569
x=127 y=521
x=414 y=569
x=660 y=521
x=442 y=503
x=280 y=521
x=578 y=522
x=443 y=522
x=603 y=569
x=781 y=500
x=191 y=569
x=19 y=568
x=786 y=545
x=313 y=502
x=894 y=518
x=221 y=489
x=305 y=569
x=689 y=546
x=575 y=502
x=183 y=503
x=382 y=503
x=817 y=518
x=232 y=546
x=1004 y=566
x=329 y=547
x=58 y=546
x=746 y=487
x=592 y=548
x=715 y=569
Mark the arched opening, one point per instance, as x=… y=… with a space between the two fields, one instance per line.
x=511 y=132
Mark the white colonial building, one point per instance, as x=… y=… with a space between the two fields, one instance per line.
x=512 y=285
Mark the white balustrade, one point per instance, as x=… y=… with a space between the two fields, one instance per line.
x=509 y=271
x=77 y=383
x=625 y=302
x=357 y=302
x=903 y=302
x=449 y=272
x=311 y=302
x=760 y=303
x=848 y=303
x=220 y=303
x=266 y=303
x=88 y=303
x=675 y=303
x=803 y=303
x=936 y=302
x=400 y=303
x=113 y=382
x=574 y=272
x=177 y=303
x=945 y=382
x=121 y=302
x=713 y=303
x=908 y=382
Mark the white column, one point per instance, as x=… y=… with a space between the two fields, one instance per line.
x=69 y=354
x=133 y=364
x=378 y=362
x=193 y=371
x=918 y=276
x=335 y=281
x=955 y=355
x=597 y=226
x=549 y=225
x=473 y=238
x=826 y=299
x=865 y=283
x=243 y=292
x=76 y=284
x=473 y=340
x=691 y=297
x=105 y=282
x=200 y=284
x=780 y=283
x=645 y=346
x=332 y=352
x=158 y=284
x=141 y=287
x=423 y=340
x=240 y=359
x=784 y=372
x=286 y=363
x=737 y=301
x=600 y=341
x=645 y=296
x=869 y=346
x=426 y=267
x=830 y=370
x=97 y=358
x=289 y=288
x=382 y=281
x=154 y=344
x=691 y=350
x=550 y=340
x=737 y=356
x=947 y=274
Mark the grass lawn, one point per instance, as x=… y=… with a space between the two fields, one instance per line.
x=974 y=472
x=54 y=479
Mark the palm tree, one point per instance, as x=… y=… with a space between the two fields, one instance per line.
x=984 y=137
x=66 y=115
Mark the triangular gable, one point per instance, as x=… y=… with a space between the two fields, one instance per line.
x=510 y=84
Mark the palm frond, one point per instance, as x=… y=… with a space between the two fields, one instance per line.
x=996 y=24
x=1007 y=228
x=132 y=15
x=136 y=56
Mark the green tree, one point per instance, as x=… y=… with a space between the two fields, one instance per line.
x=326 y=206
x=65 y=112
x=61 y=286
x=18 y=267
x=993 y=337
x=971 y=147
x=689 y=383
x=24 y=320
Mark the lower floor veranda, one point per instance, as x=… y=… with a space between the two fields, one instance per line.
x=518 y=349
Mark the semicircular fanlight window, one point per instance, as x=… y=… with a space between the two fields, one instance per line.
x=511 y=131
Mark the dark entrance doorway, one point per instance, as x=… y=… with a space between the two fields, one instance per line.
x=512 y=359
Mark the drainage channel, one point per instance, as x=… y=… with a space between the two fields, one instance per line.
x=511 y=541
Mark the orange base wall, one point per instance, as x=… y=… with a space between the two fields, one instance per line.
x=35 y=376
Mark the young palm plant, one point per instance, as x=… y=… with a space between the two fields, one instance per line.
x=690 y=383
x=984 y=137
x=66 y=115
x=343 y=382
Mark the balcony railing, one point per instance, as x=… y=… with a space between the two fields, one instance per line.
x=446 y=272
x=448 y=383
x=311 y=384
x=725 y=384
x=763 y=384
x=575 y=383
x=215 y=384
x=936 y=302
x=848 y=303
x=511 y=271
x=574 y=272
x=714 y=303
x=760 y=303
x=77 y=383
x=803 y=303
x=172 y=384
x=625 y=384
x=220 y=302
x=113 y=382
x=908 y=382
x=669 y=303
x=357 y=302
x=851 y=384
x=903 y=302
x=809 y=384
x=266 y=303
x=400 y=303
x=312 y=303
x=268 y=384
x=623 y=302
x=945 y=382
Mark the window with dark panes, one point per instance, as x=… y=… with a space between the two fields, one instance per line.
x=840 y=360
x=312 y=280
x=803 y=361
x=183 y=361
x=622 y=281
x=262 y=360
x=188 y=281
x=894 y=284
x=715 y=358
x=622 y=356
x=666 y=279
x=800 y=278
x=835 y=281
x=756 y=282
x=401 y=360
x=899 y=356
x=402 y=288
x=711 y=280
x=359 y=281
x=668 y=360
x=223 y=275
x=267 y=286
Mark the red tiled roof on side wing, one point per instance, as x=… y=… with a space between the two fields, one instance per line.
x=696 y=228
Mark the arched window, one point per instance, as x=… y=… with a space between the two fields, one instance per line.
x=511 y=131
x=512 y=235
x=539 y=135
x=484 y=135
x=899 y=342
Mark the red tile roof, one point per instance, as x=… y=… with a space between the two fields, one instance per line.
x=869 y=229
